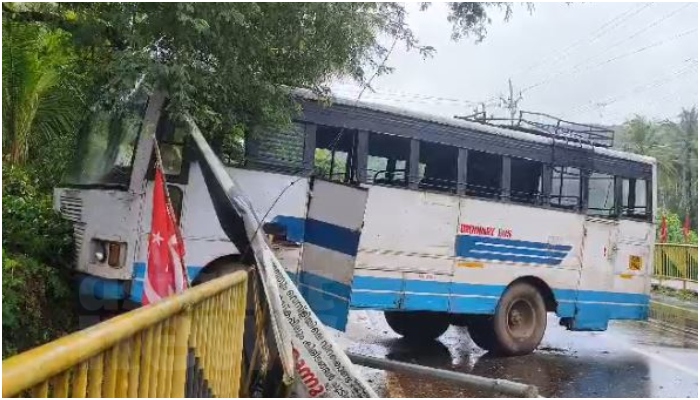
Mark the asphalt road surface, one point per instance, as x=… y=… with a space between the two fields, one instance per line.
x=631 y=359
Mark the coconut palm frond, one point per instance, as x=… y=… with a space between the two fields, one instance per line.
x=35 y=104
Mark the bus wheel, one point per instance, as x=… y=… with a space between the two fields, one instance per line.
x=481 y=331
x=417 y=325
x=518 y=325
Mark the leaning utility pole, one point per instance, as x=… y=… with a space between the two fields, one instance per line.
x=511 y=103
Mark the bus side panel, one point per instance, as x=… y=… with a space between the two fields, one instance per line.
x=406 y=250
x=264 y=189
x=633 y=267
x=205 y=241
x=498 y=243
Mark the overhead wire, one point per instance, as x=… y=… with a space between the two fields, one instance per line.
x=632 y=36
x=602 y=30
x=641 y=88
x=612 y=59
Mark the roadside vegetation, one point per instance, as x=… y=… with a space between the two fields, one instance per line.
x=684 y=295
x=228 y=64
x=674 y=144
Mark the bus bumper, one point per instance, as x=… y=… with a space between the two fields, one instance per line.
x=101 y=288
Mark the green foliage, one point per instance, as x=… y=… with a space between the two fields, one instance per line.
x=322 y=164
x=30 y=225
x=37 y=250
x=674 y=144
x=684 y=295
x=231 y=64
x=40 y=102
x=37 y=303
x=674 y=225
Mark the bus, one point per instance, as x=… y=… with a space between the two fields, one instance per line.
x=434 y=221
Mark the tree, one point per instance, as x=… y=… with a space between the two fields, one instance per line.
x=229 y=64
x=683 y=138
x=37 y=101
x=674 y=145
x=642 y=136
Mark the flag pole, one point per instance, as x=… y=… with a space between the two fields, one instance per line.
x=159 y=164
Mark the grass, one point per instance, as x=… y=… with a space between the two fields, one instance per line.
x=684 y=295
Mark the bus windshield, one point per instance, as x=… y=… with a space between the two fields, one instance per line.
x=106 y=145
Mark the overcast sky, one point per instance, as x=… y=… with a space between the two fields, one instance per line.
x=593 y=62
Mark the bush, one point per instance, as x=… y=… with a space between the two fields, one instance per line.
x=674 y=225
x=38 y=304
x=30 y=225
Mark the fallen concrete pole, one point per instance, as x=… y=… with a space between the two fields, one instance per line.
x=498 y=385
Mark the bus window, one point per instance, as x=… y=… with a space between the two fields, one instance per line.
x=171 y=142
x=601 y=195
x=525 y=180
x=387 y=161
x=276 y=150
x=484 y=174
x=106 y=145
x=634 y=202
x=566 y=188
x=334 y=157
x=438 y=167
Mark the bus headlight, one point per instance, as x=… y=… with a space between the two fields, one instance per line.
x=111 y=253
x=100 y=253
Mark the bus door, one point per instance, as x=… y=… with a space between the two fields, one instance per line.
x=331 y=239
x=600 y=237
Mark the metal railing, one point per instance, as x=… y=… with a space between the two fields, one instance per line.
x=188 y=345
x=677 y=262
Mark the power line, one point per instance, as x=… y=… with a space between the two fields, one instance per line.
x=641 y=88
x=632 y=36
x=612 y=59
x=614 y=23
x=653 y=24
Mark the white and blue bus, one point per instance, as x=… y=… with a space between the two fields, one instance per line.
x=434 y=221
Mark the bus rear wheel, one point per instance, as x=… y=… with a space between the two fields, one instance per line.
x=518 y=325
x=417 y=325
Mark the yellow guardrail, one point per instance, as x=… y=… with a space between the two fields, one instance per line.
x=188 y=345
x=676 y=262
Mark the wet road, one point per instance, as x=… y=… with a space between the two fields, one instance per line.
x=631 y=359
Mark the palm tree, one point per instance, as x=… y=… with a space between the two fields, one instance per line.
x=642 y=136
x=38 y=102
x=683 y=137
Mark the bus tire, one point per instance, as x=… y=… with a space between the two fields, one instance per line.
x=417 y=325
x=518 y=325
x=480 y=329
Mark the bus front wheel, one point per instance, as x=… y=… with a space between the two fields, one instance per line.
x=417 y=325
x=518 y=325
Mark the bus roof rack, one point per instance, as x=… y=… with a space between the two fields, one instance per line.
x=546 y=125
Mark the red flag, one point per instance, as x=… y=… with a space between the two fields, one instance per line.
x=663 y=234
x=686 y=229
x=165 y=272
